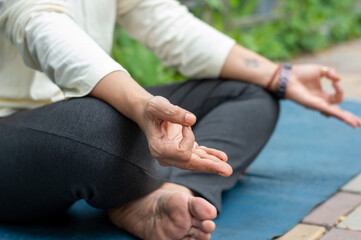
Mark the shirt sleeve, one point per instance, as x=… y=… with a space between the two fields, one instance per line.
x=50 y=41
x=178 y=38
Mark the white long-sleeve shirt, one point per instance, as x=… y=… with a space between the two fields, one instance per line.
x=56 y=49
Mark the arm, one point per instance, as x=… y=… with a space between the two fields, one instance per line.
x=167 y=127
x=50 y=41
x=179 y=39
x=243 y=64
x=182 y=41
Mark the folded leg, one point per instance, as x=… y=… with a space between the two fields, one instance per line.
x=77 y=149
x=234 y=117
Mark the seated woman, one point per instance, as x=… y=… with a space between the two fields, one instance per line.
x=75 y=125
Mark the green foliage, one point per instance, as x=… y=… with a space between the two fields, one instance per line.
x=214 y=4
x=301 y=26
x=291 y=27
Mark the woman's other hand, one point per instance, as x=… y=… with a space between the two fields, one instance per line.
x=171 y=140
x=305 y=88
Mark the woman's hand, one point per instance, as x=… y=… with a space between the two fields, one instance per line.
x=305 y=88
x=167 y=127
x=171 y=140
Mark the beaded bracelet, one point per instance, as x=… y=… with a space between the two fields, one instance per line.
x=285 y=74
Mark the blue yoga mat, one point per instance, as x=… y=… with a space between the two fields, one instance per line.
x=307 y=159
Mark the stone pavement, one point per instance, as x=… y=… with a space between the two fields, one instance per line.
x=338 y=218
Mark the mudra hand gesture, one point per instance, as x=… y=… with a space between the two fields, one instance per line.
x=171 y=140
x=305 y=88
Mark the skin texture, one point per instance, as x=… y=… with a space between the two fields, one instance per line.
x=172 y=212
x=180 y=216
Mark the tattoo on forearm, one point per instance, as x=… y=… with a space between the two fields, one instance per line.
x=250 y=62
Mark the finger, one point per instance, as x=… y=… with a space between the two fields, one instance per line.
x=164 y=110
x=176 y=154
x=337 y=97
x=329 y=109
x=335 y=111
x=198 y=164
x=187 y=142
x=332 y=98
x=357 y=119
x=349 y=118
x=325 y=114
x=358 y=122
x=219 y=154
x=330 y=73
x=203 y=154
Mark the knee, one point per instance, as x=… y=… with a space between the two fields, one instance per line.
x=255 y=106
x=238 y=89
x=266 y=101
x=118 y=163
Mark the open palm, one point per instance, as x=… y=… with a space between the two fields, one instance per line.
x=180 y=141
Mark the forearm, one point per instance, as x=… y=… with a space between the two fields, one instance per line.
x=245 y=65
x=124 y=94
x=179 y=39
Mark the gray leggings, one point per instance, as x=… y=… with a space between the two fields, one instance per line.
x=54 y=155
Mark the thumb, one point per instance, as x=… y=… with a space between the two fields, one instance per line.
x=162 y=109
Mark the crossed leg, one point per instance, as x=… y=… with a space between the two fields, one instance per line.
x=83 y=149
x=234 y=117
x=170 y=212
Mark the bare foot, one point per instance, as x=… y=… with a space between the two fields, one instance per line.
x=169 y=213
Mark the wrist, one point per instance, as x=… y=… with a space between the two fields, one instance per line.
x=284 y=77
x=139 y=105
x=123 y=93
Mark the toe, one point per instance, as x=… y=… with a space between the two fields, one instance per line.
x=202 y=209
x=207 y=226
x=198 y=234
